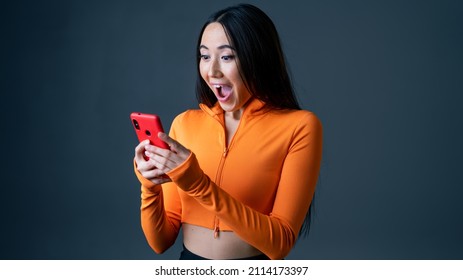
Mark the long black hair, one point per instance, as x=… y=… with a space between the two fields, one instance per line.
x=261 y=61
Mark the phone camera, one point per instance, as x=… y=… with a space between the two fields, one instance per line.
x=135 y=123
x=148 y=132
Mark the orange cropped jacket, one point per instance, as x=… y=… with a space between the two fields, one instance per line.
x=260 y=186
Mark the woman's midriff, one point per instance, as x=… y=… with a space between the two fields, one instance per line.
x=227 y=245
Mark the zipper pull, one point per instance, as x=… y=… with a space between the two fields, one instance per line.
x=216 y=230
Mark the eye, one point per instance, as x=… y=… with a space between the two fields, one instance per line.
x=204 y=57
x=228 y=57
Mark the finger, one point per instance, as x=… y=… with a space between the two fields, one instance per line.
x=157 y=150
x=164 y=163
x=146 y=165
x=175 y=146
x=139 y=151
x=143 y=167
x=174 y=158
x=165 y=158
x=153 y=174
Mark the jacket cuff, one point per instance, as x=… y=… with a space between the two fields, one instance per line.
x=188 y=174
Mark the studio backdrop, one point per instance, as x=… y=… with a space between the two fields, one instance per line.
x=384 y=77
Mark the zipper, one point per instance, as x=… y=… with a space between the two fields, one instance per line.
x=218 y=178
x=216 y=228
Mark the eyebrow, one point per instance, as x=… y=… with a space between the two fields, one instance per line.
x=219 y=47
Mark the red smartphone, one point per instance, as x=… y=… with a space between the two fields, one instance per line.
x=147 y=126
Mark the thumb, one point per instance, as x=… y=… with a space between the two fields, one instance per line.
x=166 y=138
x=175 y=146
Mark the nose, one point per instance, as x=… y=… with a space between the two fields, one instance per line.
x=214 y=69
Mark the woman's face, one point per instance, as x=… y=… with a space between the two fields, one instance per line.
x=219 y=69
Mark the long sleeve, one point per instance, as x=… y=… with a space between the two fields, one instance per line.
x=276 y=233
x=160 y=212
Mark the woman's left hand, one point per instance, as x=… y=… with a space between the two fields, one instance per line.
x=166 y=160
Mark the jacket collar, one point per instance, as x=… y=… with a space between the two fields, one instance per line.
x=253 y=107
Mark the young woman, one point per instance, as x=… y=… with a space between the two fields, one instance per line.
x=242 y=169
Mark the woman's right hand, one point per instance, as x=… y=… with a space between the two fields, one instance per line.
x=147 y=167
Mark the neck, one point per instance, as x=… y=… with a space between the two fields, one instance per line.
x=235 y=115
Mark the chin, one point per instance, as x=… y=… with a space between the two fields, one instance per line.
x=229 y=107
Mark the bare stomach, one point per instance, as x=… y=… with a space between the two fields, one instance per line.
x=227 y=245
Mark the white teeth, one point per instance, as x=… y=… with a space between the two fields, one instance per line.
x=217 y=86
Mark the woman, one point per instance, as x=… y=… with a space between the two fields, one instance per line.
x=241 y=171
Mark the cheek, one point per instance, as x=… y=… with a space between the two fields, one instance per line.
x=237 y=81
x=234 y=74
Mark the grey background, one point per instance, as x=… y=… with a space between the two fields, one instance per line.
x=385 y=78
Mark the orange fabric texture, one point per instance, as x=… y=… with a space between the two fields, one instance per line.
x=259 y=187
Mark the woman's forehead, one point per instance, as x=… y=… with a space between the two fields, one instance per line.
x=214 y=36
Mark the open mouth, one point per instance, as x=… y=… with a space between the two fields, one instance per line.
x=219 y=90
x=223 y=92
